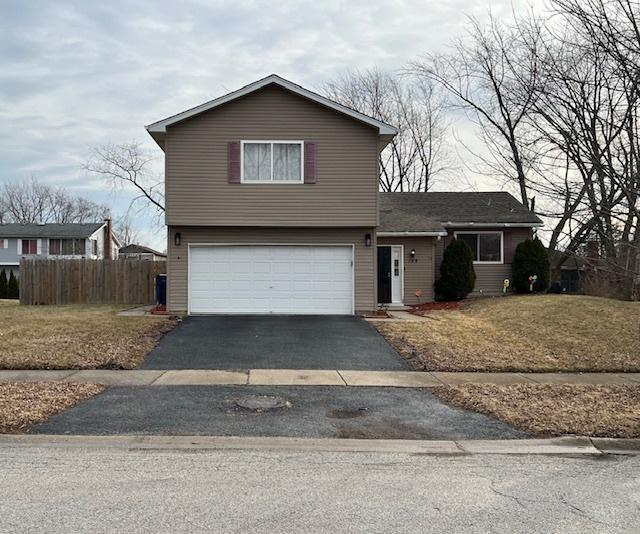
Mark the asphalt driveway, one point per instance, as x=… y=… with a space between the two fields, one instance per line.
x=274 y=342
x=307 y=411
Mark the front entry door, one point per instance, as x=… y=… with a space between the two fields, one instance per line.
x=384 y=275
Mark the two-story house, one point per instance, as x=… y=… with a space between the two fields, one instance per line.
x=272 y=206
x=69 y=240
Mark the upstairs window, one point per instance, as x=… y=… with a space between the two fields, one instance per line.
x=272 y=162
x=485 y=246
x=29 y=246
x=67 y=247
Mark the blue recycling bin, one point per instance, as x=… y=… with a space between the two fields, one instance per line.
x=161 y=289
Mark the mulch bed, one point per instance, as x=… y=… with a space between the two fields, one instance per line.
x=378 y=314
x=26 y=404
x=425 y=307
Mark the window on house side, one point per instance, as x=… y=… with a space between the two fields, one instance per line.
x=67 y=247
x=272 y=161
x=485 y=246
x=29 y=246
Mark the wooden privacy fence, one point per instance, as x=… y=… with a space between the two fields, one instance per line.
x=54 y=281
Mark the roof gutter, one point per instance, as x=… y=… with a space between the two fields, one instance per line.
x=411 y=234
x=491 y=225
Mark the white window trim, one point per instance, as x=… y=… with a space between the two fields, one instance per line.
x=271 y=142
x=478 y=262
x=5 y=242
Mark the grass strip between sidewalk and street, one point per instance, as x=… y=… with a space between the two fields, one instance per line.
x=550 y=410
x=26 y=404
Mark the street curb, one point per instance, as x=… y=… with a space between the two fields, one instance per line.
x=566 y=445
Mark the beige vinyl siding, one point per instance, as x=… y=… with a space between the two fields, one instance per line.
x=418 y=274
x=196 y=174
x=489 y=277
x=364 y=268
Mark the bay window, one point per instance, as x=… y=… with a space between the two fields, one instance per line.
x=272 y=162
x=485 y=246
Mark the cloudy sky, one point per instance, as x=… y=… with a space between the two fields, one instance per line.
x=77 y=74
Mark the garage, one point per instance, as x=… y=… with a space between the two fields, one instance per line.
x=283 y=279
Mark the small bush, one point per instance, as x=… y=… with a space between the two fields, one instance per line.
x=457 y=277
x=3 y=284
x=530 y=258
x=13 y=291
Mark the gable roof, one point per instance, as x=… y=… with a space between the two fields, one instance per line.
x=424 y=212
x=572 y=263
x=77 y=230
x=140 y=249
x=159 y=128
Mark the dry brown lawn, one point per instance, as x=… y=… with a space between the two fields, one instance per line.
x=524 y=333
x=26 y=404
x=75 y=337
x=586 y=410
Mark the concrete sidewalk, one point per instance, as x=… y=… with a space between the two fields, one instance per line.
x=293 y=377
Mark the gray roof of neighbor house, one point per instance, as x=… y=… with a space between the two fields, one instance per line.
x=140 y=249
x=572 y=263
x=49 y=229
x=433 y=212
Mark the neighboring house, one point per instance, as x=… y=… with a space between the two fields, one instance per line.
x=70 y=240
x=272 y=206
x=572 y=271
x=140 y=252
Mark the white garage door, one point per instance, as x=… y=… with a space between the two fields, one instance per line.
x=271 y=279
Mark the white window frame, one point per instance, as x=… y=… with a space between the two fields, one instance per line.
x=478 y=262
x=272 y=181
x=5 y=242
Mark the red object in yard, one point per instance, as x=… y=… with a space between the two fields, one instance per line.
x=160 y=309
x=428 y=306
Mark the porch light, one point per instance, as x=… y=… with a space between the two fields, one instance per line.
x=177 y=238
x=367 y=240
x=413 y=253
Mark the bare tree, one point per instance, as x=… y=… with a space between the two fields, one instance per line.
x=31 y=201
x=124 y=229
x=417 y=155
x=491 y=75
x=593 y=106
x=128 y=165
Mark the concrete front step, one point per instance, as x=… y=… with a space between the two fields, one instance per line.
x=301 y=377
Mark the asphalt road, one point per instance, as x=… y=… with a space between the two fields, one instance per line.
x=81 y=490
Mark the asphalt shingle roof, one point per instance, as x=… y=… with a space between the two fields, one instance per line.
x=49 y=230
x=139 y=249
x=428 y=212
